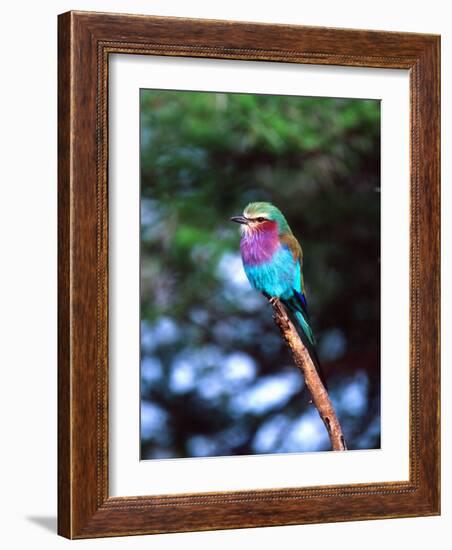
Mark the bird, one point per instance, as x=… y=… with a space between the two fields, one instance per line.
x=273 y=262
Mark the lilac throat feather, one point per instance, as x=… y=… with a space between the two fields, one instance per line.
x=259 y=245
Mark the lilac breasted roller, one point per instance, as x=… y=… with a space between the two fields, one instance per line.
x=273 y=262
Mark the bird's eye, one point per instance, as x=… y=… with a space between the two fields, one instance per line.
x=260 y=219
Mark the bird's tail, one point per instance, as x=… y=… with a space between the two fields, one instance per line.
x=299 y=311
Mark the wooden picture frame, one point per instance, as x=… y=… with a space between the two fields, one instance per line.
x=85 y=42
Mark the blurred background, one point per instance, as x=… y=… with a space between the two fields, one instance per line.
x=216 y=378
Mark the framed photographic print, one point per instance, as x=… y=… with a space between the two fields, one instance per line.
x=248 y=275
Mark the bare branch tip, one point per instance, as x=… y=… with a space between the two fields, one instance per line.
x=302 y=359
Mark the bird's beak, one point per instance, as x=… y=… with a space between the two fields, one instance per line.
x=239 y=219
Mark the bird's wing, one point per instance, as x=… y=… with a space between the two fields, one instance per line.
x=289 y=241
x=293 y=245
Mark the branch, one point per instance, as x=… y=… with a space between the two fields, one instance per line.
x=304 y=362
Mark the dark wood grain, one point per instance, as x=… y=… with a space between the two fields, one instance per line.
x=64 y=295
x=85 y=508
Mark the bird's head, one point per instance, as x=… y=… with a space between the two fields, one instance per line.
x=262 y=216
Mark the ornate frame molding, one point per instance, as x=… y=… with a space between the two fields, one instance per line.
x=85 y=42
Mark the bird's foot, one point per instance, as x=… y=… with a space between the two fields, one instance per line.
x=273 y=300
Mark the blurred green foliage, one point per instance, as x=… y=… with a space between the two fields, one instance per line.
x=204 y=156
